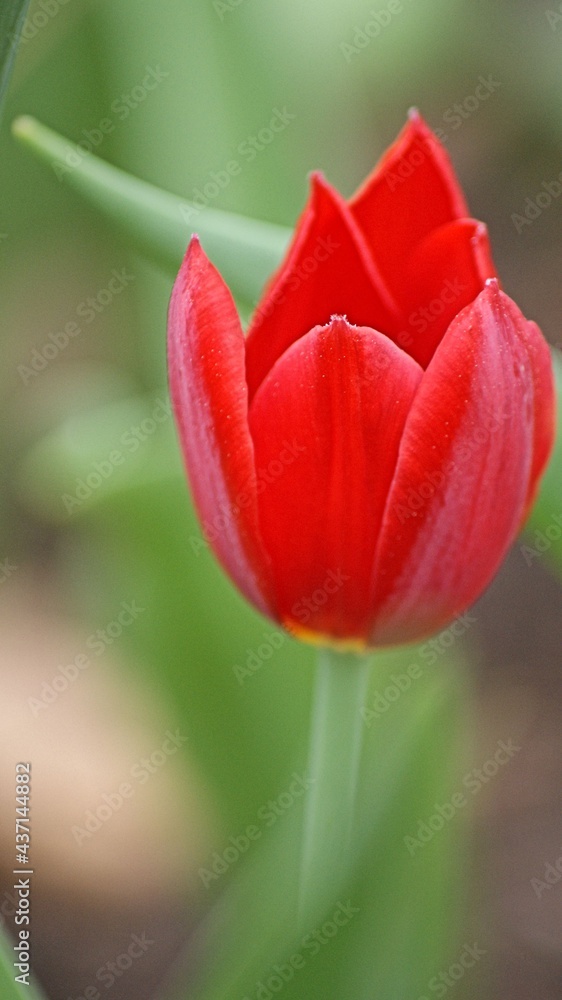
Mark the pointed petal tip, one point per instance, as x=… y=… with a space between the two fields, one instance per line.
x=317 y=177
x=417 y=122
x=494 y=298
x=194 y=260
x=193 y=250
x=320 y=186
x=492 y=286
x=194 y=247
x=480 y=242
x=339 y=325
x=320 y=189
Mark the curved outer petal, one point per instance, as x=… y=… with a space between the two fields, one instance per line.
x=343 y=393
x=545 y=408
x=466 y=464
x=328 y=270
x=412 y=191
x=210 y=400
x=444 y=274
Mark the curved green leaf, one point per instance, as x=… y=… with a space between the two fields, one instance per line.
x=160 y=224
x=12 y=19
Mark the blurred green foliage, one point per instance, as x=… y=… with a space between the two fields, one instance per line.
x=12 y=18
x=220 y=73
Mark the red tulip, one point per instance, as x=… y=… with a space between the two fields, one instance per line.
x=363 y=459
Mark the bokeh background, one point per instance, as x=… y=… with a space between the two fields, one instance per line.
x=219 y=72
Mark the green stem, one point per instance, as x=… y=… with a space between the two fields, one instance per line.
x=333 y=766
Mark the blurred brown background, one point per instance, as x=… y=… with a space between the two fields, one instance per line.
x=225 y=70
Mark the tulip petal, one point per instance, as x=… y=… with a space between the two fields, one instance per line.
x=341 y=395
x=328 y=271
x=444 y=274
x=412 y=191
x=463 y=473
x=545 y=407
x=210 y=399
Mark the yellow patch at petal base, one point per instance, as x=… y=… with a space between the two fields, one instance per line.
x=308 y=635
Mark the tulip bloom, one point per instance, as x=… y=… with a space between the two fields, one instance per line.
x=362 y=460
